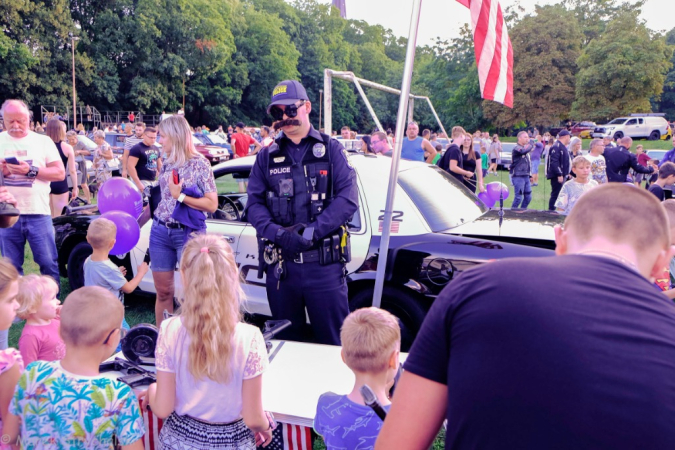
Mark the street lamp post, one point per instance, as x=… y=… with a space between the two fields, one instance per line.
x=320 y=104
x=73 y=39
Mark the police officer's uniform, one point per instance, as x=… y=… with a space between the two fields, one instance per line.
x=558 y=166
x=311 y=183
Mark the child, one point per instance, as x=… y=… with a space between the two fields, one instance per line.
x=67 y=404
x=11 y=364
x=371 y=341
x=643 y=159
x=39 y=307
x=666 y=177
x=485 y=162
x=209 y=363
x=573 y=189
x=100 y=271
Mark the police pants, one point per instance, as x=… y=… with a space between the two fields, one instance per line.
x=556 y=186
x=320 y=289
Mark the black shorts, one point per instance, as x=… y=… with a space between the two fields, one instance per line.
x=59 y=187
x=493 y=160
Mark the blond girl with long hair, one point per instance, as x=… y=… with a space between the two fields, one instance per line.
x=209 y=363
x=167 y=235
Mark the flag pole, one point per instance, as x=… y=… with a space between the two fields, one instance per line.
x=396 y=154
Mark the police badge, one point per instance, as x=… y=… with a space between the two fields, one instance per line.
x=319 y=150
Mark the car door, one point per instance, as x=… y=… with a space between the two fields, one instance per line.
x=632 y=128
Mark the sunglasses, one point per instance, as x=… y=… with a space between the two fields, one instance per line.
x=290 y=111
x=123 y=332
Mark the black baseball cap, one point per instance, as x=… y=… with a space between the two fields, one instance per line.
x=287 y=92
x=564 y=133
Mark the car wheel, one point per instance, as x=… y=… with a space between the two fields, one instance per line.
x=655 y=135
x=76 y=264
x=618 y=135
x=405 y=307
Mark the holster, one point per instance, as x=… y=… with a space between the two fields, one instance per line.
x=262 y=265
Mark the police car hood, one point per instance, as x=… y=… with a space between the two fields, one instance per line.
x=517 y=225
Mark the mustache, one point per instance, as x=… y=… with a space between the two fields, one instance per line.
x=285 y=123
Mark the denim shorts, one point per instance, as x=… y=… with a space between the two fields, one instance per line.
x=535 y=166
x=166 y=246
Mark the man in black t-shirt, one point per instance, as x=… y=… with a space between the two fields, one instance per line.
x=579 y=354
x=144 y=160
x=452 y=160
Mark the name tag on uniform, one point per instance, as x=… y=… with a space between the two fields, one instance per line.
x=280 y=170
x=280 y=159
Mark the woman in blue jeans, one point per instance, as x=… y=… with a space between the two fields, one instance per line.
x=167 y=235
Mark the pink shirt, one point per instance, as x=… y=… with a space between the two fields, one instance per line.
x=42 y=342
x=8 y=358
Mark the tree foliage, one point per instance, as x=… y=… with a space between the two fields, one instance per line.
x=223 y=58
x=620 y=71
x=545 y=55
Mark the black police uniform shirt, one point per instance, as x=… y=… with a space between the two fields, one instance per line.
x=453 y=153
x=283 y=169
x=577 y=354
x=619 y=161
x=558 y=161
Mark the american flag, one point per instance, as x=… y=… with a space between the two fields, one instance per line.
x=152 y=427
x=290 y=437
x=395 y=226
x=494 y=54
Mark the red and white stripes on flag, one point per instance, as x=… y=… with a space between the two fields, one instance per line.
x=152 y=427
x=297 y=437
x=494 y=54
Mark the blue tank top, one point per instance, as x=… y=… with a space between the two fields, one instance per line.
x=413 y=149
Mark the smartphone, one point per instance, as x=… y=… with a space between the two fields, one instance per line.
x=176 y=178
x=12 y=160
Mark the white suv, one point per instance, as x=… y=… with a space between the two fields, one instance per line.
x=645 y=126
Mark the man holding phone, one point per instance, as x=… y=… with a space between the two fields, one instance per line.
x=30 y=162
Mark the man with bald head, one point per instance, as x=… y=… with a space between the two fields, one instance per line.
x=583 y=359
x=620 y=160
x=29 y=162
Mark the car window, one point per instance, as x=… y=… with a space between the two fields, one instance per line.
x=632 y=122
x=217 y=139
x=617 y=122
x=91 y=145
x=440 y=198
x=641 y=121
x=229 y=183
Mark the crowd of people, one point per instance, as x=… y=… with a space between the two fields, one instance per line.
x=508 y=364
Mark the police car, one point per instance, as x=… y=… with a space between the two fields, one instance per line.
x=439 y=230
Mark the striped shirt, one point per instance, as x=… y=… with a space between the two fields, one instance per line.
x=131 y=141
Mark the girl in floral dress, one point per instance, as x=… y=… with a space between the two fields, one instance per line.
x=209 y=363
x=11 y=365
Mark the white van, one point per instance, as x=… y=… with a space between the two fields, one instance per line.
x=638 y=126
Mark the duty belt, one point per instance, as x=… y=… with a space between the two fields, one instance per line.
x=309 y=256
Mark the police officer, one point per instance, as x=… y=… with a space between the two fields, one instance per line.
x=301 y=192
x=558 y=167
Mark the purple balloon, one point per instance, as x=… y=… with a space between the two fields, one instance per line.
x=486 y=199
x=128 y=231
x=120 y=194
x=495 y=189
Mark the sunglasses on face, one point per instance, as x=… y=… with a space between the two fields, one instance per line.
x=290 y=111
x=123 y=333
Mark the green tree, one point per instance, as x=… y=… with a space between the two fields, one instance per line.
x=544 y=69
x=666 y=103
x=622 y=70
x=594 y=15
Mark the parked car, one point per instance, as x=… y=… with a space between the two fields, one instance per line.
x=116 y=142
x=506 y=155
x=439 y=230
x=216 y=157
x=637 y=126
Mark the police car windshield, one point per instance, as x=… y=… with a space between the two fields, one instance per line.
x=441 y=199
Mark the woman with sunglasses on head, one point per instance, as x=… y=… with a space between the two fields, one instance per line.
x=298 y=223
x=183 y=169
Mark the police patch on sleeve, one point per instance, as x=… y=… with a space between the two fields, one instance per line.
x=345 y=153
x=319 y=150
